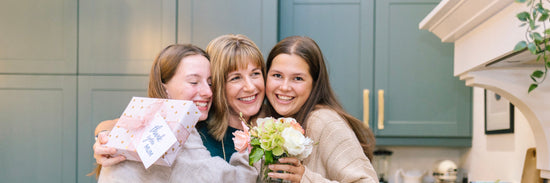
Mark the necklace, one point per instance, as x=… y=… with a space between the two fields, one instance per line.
x=223 y=150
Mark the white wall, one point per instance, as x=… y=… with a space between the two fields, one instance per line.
x=491 y=157
x=499 y=156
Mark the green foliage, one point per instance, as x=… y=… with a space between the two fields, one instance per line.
x=255 y=155
x=532 y=48
x=268 y=157
x=537 y=74
x=532 y=87
x=255 y=142
x=536 y=43
x=523 y=16
x=520 y=46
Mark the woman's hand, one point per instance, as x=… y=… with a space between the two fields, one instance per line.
x=104 y=155
x=294 y=170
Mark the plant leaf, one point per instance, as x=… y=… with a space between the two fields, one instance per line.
x=532 y=87
x=537 y=74
x=543 y=16
x=523 y=16
x=519 y=1
x=532 y=48
x=255 y=141
x=547 y=63
x=255 y=155
x=537 y=37
x=268 y=157
x=520 y=46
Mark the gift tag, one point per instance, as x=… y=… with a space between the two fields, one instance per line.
x=155 y=141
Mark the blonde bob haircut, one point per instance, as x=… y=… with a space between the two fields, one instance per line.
x=228 y=53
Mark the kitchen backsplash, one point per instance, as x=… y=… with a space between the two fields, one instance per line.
x=421 y=158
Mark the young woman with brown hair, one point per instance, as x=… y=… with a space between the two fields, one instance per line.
x=297 y=86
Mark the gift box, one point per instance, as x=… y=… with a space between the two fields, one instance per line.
x=153 y=130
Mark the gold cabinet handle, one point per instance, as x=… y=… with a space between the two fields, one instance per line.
x=366 y=105
x=380 y=109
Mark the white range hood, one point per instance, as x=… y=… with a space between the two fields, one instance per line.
x=484 y=32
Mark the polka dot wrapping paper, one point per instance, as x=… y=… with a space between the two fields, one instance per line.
x=153 y=130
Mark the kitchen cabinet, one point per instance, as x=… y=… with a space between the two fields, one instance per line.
x=101 y=98
x=38 y=37
x=200 y=21
x=123 y=37
x=119 y=37
x=413 y=98
x=37 y=129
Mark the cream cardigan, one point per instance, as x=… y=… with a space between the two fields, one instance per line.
x=193 y=164
x=337 y=156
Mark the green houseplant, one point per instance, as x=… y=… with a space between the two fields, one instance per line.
x=535 y=41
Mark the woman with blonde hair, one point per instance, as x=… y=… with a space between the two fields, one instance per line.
x=238 y=84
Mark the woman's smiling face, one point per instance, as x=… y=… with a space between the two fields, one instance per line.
x=288 y=84
x=192 y=81
x=245 y=90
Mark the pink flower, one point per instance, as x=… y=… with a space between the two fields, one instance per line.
x=294 y=124
x=242 y=139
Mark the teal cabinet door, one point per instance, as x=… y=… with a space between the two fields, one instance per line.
x=377 y=46
x=38 y=36
x=200 y=21
x=123 y=37
x=421 y=97
x=38 y=128
x=343 y=30
x=101 y=98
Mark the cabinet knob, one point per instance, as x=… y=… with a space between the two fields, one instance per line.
x=380 y=109
x=366 y=105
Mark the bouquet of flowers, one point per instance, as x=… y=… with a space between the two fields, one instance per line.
x=272 y=139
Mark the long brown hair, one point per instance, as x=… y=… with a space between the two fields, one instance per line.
x=321 y=94
x=163 y=69
x=228 y=53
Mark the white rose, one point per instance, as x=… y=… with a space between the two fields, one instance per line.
x=294 y=141
x=308 y=144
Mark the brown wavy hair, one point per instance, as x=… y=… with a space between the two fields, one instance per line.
x=228 y=53
x=321 y=95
